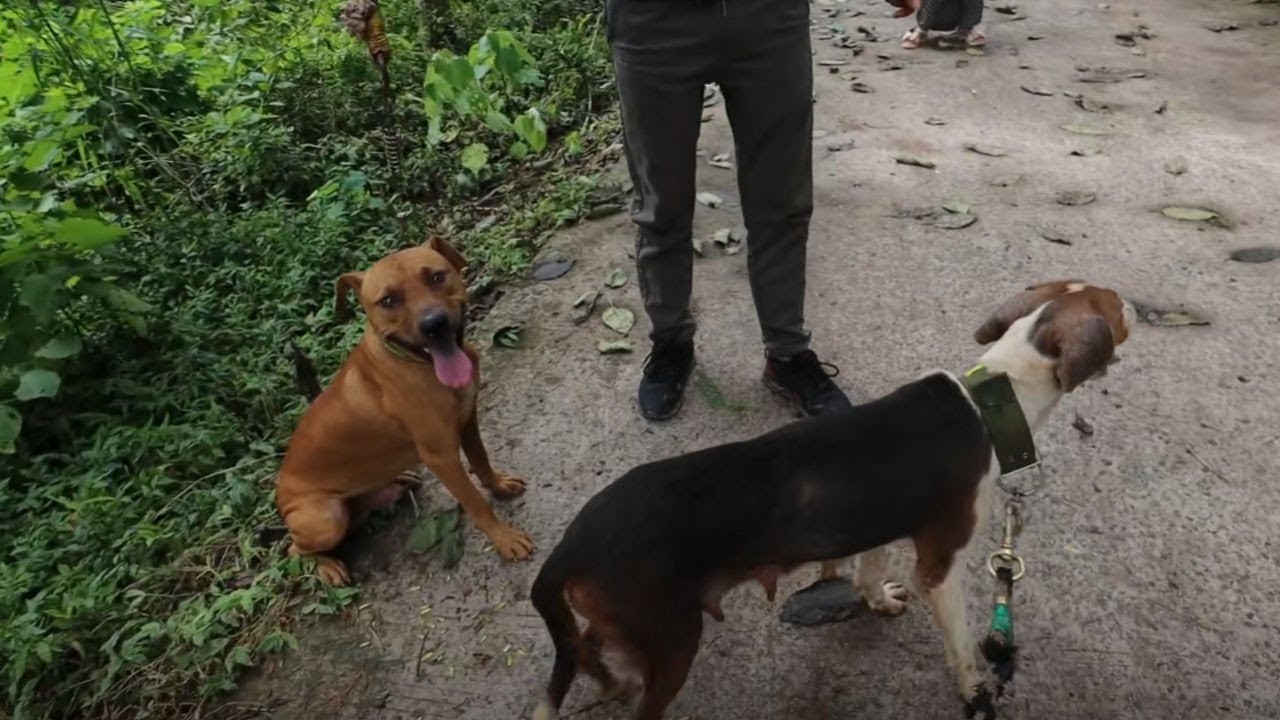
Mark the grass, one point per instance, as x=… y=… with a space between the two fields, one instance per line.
x=236 y=147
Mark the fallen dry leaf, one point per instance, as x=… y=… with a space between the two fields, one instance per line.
x=618 y=319
x=584 y=306
x=1168 y=318
x=1176 y=166
x=1042 y=92
x=1082 y=426
x=1074 y=197
x=988 y=150
x=710 y=199
x=616 y=279
x=915 y=162
x=955 y=221
x=1054 y=236
x=614 y=347
x=1085 y=129
x=1189 y=214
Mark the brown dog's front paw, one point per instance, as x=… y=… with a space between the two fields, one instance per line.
x=332 y=571
x=511 y=543
x=506 y=486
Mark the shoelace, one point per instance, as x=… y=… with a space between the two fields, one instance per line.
x=814 y=374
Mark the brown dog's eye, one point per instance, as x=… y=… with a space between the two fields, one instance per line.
x=437 y=277
x=388 y=301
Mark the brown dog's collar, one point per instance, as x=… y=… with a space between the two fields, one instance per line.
x=1006 y=425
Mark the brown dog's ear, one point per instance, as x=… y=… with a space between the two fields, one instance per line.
x=1022 y=304
x=350 y=282
x=1083 y=346
x=449 y=252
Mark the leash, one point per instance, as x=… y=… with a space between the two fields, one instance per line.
x=1008 y=567
x=1021 y=476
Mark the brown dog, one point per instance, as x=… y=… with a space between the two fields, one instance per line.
x=406 y=394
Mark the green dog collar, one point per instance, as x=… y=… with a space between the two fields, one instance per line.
x=1007 y=426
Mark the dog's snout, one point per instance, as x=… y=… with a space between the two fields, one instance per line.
x=433 y=323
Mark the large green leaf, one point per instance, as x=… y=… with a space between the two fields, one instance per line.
x=10 y=426
x=531 y=129
x=86 y=233
x=60 y=348
x=35 y=384
x=40 y=293
x=41 y=154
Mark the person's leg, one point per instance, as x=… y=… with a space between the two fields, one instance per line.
x=767 y=80
x=660 y=53
x=660 y=88
x=971 y=23
x=659 y=57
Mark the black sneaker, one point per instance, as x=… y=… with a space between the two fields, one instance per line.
x=666 y=372
x=805 y=382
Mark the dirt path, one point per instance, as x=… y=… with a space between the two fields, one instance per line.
x=1153 y=551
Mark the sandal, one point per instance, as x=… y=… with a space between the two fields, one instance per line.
x=913 y=39
x=976 y=38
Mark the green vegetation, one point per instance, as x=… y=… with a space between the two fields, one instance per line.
x=180 y=183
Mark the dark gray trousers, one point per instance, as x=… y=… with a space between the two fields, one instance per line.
x=664 y=52
x=944 y=15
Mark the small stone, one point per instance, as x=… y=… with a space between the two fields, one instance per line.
x=822 y=603
x=1256 y=254
x=551 y=269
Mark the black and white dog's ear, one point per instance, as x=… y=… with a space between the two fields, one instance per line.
x=1021 y=305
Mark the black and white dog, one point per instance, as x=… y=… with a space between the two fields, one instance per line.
x=659 y=547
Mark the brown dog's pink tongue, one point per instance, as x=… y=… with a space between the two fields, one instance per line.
x=454 y=369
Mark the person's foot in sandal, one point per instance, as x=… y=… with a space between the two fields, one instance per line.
x=913 y=39
x=977 y=37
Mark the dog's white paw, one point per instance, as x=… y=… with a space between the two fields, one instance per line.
x=890 y=600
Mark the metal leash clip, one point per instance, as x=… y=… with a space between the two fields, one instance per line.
x=1005 y=557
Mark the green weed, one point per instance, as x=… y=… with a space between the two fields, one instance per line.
x=180 y=183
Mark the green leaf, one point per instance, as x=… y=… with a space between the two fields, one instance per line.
x=452 y=547
x=573 y=144
x=1189 y=214
x=531 y=129
x=86 y=233
x=60 y=348
x=519 y=150
x=498 y=122
x=41 y=154
x=449 y=520
x=425 y=536
x=36 y=384
x=474 y=157
x=619 y=320
x=10 y=426
x=457 y=71
x=40 y=293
